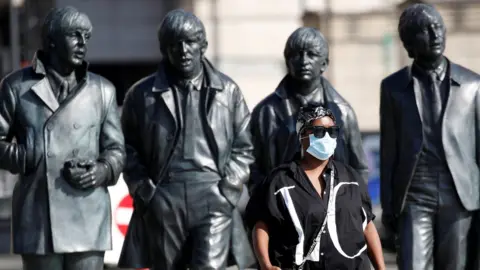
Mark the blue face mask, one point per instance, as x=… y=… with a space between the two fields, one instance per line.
x=322 y=148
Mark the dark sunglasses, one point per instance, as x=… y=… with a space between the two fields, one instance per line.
x=319 y=131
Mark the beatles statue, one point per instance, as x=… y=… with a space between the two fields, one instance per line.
x=430 y=125
x=69 y=148
x=189 y=150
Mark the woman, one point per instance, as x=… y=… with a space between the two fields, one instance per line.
x=314 y=213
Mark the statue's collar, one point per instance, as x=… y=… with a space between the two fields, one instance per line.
x=211 y=75
x=39 y=60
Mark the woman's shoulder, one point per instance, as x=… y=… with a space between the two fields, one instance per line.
x=282 y=174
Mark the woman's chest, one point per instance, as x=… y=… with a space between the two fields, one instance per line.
x=343 y=202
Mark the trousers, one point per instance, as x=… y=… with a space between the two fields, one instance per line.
x=434 y=226
x=92 y=260
x=189 y=224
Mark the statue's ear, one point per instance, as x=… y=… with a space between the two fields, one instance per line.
x=204 y=47
x=325 y=65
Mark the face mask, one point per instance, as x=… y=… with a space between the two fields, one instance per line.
x=322 y=148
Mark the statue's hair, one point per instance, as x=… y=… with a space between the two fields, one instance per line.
x=174 y=26
x=415 y=17
x=60 y=20
x=306 y=37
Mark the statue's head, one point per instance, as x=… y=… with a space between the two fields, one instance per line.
x=65 y=35
x=183 y=42
x=422 y=31
x=306 y=54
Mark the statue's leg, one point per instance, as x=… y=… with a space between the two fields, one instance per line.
x=452 y=228
x=417 y=223
x=84 y=260
x=416 y=238
x=212 y=230
x=166 y=221
x=42 y=262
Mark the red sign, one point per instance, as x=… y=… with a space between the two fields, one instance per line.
x=123 y=213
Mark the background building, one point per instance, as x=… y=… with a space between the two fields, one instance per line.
x=246 y=40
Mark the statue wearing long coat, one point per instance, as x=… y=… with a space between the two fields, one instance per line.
x=48 y=214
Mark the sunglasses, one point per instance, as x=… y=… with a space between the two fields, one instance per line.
x=319 y=131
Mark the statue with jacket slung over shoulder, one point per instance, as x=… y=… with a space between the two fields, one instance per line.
x=429 y=148
x=69 y=148
x=189 y=149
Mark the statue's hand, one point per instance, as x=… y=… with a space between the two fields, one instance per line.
x=72 y=173
x=95 y=175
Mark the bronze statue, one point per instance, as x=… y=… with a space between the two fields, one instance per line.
x=188 y=154
x=273 y=119
x=430 y=125
x=70 y=147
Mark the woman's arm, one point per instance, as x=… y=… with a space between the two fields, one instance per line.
x=260 y=245
x=374 y=246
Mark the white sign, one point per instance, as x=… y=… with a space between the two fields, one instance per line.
x=120 y=219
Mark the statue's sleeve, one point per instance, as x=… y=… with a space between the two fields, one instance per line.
x=112 y=148
x=135 y=173
x=12 y=155
x=237 y=171
x=260 y=146
x=388 y=149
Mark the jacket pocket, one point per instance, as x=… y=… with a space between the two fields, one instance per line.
x=218 y=202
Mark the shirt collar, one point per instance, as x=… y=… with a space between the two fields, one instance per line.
x=440 y=71
x=284 y=90
x=56 y=79
x=214 y=79
x=297 y=170
x=305 y=100
x=197 y=82
x=40 y=67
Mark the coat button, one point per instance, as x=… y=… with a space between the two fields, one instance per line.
x=49 y=127
x=49 y=154
x=76 y=126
